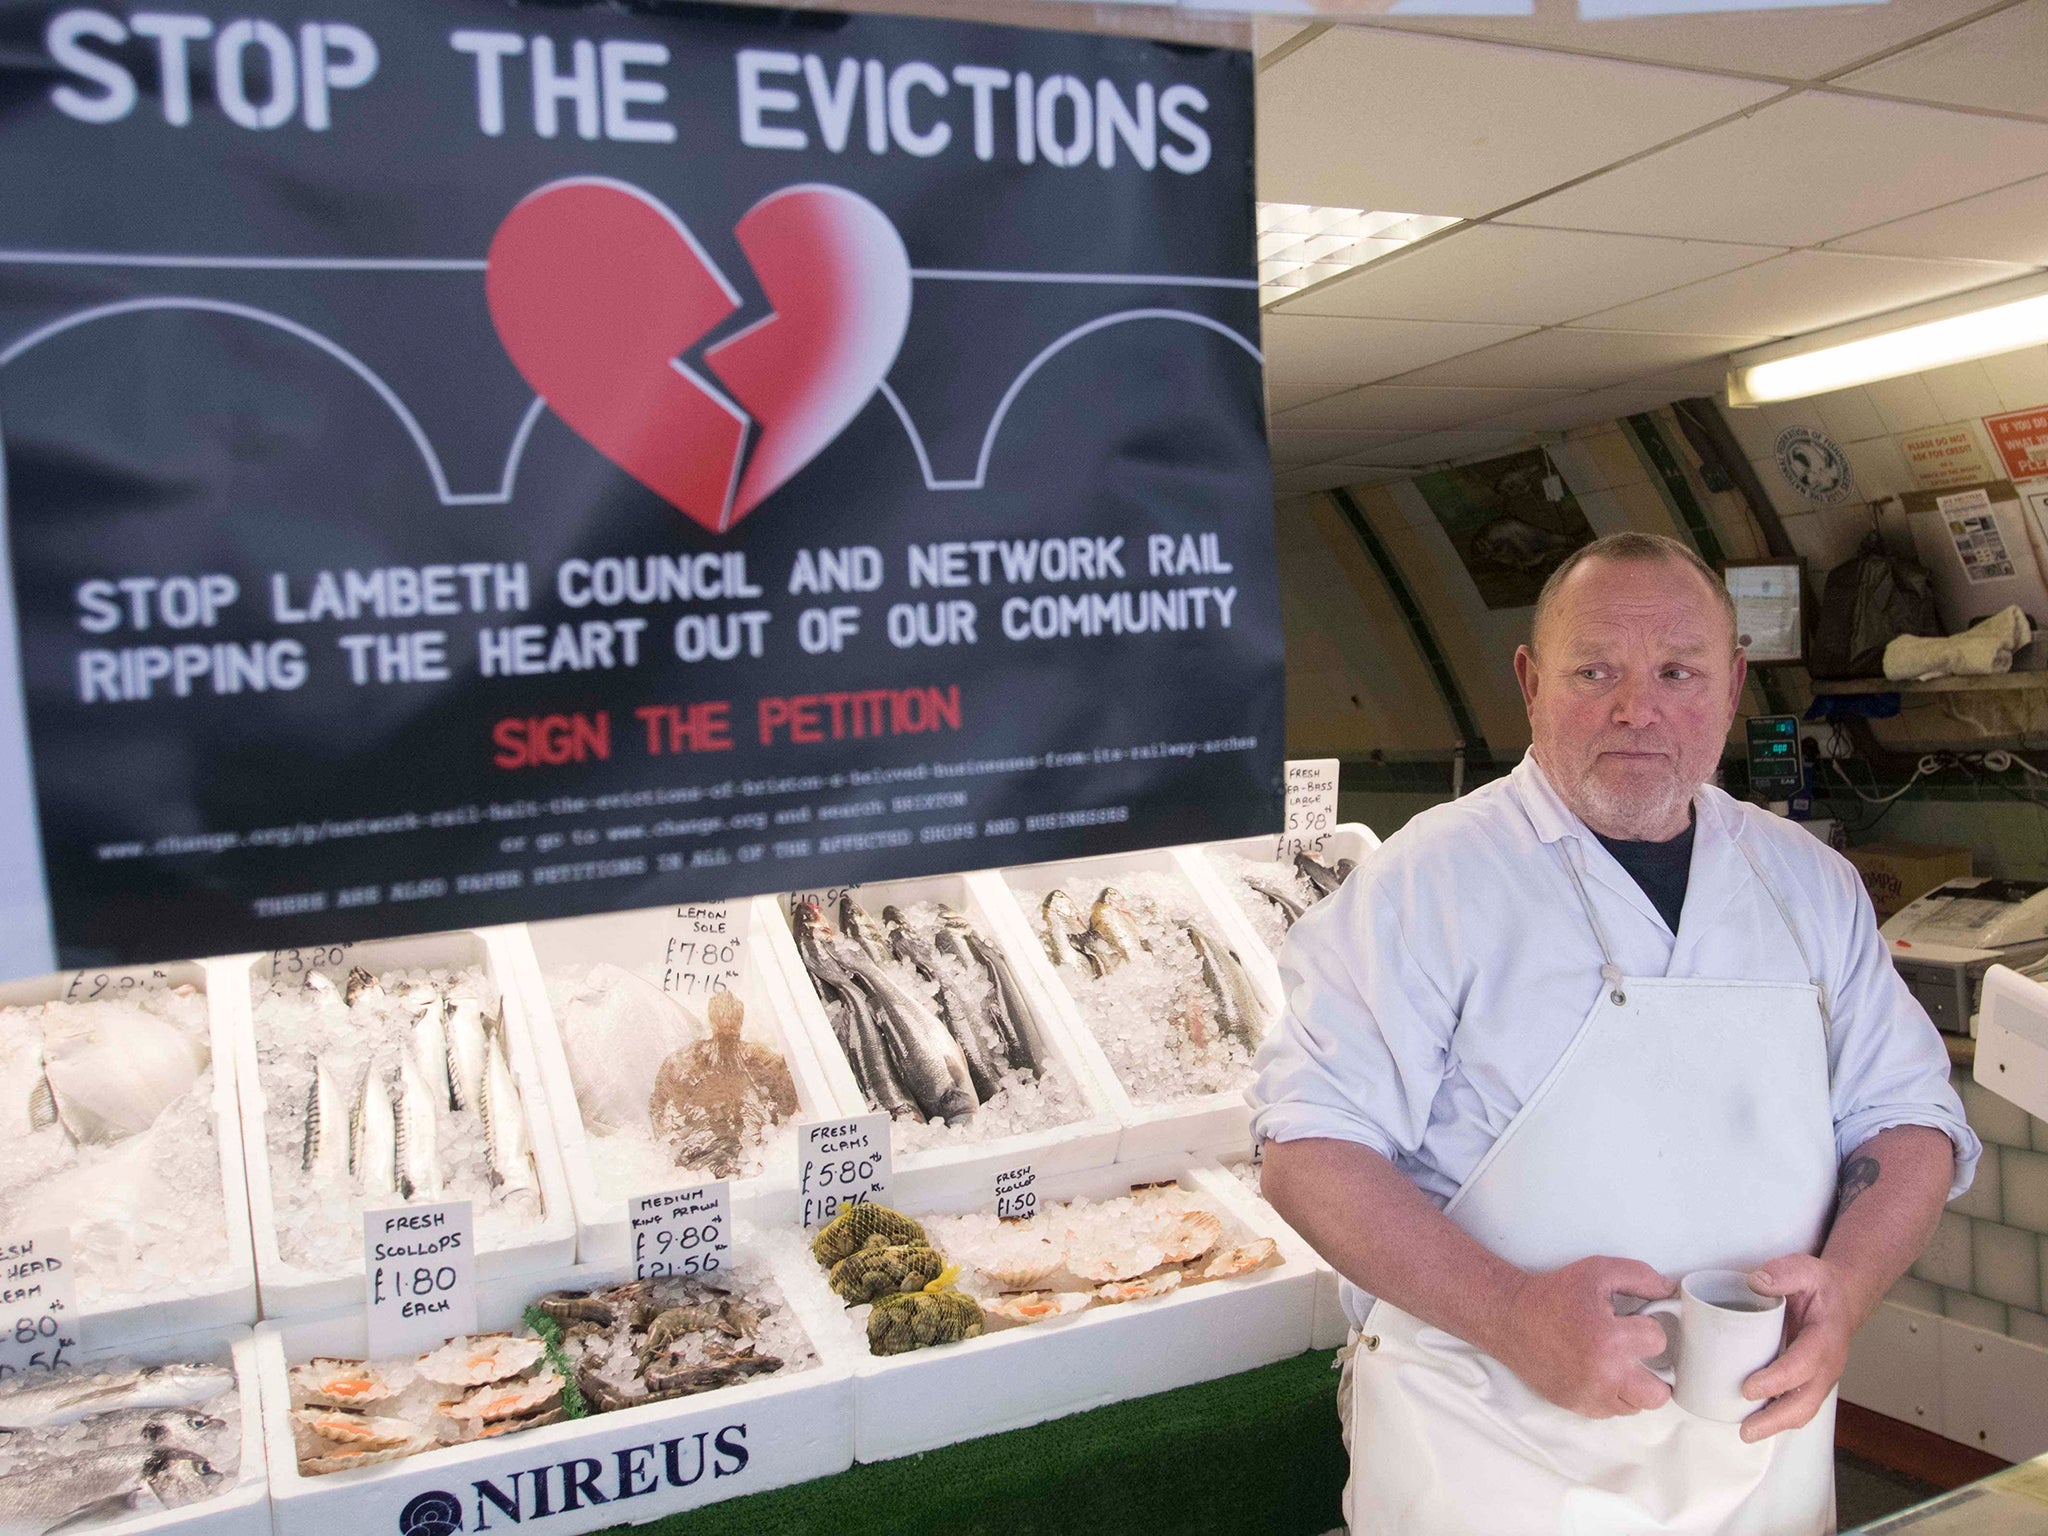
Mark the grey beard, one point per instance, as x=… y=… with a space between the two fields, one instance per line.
x=1634 y=818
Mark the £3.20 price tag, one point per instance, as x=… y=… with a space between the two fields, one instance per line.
x=419 y=1276
x=682 y=1231
x=1311 y=805
x=38 y=1312
x=841 y=1162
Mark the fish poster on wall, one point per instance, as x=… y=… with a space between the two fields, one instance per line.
x=1512 y=521
x=466 y=462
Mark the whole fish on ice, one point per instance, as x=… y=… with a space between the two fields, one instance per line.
x=617 y=1030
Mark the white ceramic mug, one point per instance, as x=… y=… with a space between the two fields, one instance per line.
x=1719 y=1333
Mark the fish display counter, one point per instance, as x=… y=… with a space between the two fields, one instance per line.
x=1129 y=1280
x=1273 y=892
x=589 y=1398
x=918 y=1008
x=148 y=1437
x=119 y=1121
x=1160 y=980
x=646 y=1090
x=376 y=1074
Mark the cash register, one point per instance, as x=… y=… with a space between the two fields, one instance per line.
x=1944 y=942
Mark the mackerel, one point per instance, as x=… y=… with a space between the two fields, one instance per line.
x=326 y=1154
x=419 y=1136
x=373 y=1137
x=505 y=1138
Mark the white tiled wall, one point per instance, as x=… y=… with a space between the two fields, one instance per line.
x=1987 y=1261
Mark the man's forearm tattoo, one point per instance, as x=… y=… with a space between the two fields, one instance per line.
x=1858 y=1174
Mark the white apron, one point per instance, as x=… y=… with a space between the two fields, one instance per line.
x=1687 y=1125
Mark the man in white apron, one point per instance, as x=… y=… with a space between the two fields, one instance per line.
x=1562 y=1042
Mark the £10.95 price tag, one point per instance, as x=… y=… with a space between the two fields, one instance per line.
x=842 y=1162
x=1311 y=805
x=682 y=1231
x=1017 y=1194
x=38 y=1312
x=419 y=1276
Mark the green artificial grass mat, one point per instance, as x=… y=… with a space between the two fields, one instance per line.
x=1257 y=1451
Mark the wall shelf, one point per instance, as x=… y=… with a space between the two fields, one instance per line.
x=1996 y=682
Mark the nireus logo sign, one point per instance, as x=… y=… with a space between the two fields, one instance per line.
x=581 y=1482
x=599 y=292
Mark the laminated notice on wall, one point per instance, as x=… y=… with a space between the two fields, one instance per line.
x=1980 y=545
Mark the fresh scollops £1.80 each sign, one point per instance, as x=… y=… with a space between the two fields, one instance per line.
x=464 y=464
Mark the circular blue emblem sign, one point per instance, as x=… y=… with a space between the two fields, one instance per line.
x=1814 y=465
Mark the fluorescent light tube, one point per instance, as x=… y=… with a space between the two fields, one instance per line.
x=1958 y=330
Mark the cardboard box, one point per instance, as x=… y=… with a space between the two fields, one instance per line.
x=1896 y=873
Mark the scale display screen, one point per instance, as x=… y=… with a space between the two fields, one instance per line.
x=1775 y=771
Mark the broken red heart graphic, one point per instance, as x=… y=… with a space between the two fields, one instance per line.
x=597 y=291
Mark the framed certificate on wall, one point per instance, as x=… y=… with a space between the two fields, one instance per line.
x=1767 y=597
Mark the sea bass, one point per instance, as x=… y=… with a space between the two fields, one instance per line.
x=1236 y=1005
x=101 y=1484
x=511 y=1153
x=67 y=1399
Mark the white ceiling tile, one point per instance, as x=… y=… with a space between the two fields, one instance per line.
x=1294 y=449
x=1786 y=44
x=1902 y=405
x=1329 y=349
x=1322 y=477
x=1850 y=415
x=1437 y=447
x=2006 y=225
x=2021 y=378
x=1363 y=118
x=1801 y=291
x=1507 y=274
x=1993 y=63
x=1567 y=412
x=1389 y=407
x=1575 y=359
x=1802 y=171
x=1282 y=396
x=1963 y=389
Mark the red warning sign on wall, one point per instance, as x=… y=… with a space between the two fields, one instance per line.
x=2022 y=441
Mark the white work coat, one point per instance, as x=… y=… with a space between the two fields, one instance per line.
x=1431 y=995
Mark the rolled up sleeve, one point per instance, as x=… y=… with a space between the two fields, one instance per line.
x=1889 y=1064
x=1365 y=1039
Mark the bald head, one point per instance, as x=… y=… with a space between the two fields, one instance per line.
x=1629 y=548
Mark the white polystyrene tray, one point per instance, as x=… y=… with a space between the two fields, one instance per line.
x=967 y=1170
x=637 y=941
x=907 y=1403
x=1347 y=840
x=791 y=1427
x=290 y=1289
x=242 y=1508
x=231 y=1298
x=1214 y=1122
x=1329 y=1327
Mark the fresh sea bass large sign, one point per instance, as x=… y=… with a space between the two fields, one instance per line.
x=463 y=462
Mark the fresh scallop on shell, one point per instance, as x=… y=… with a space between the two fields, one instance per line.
x=1124 y=1262
x=475 y=1362
x=354 y=1429
x=327 y=1383
x=1036 y=1306
x=343 y=1458
x=1240 y=1260
x=1140 y=1290
x=507 y=1400
x=1021 y=1264
x=1189 y=1235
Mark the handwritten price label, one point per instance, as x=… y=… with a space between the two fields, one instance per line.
x=1017 y=1194
x=682 y=1231
x=300 y=964
x=842 y=1162
x=85 y=986
x=1311 y=805
x=38 y=1311
x=419 y=1276
x=705 y=951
